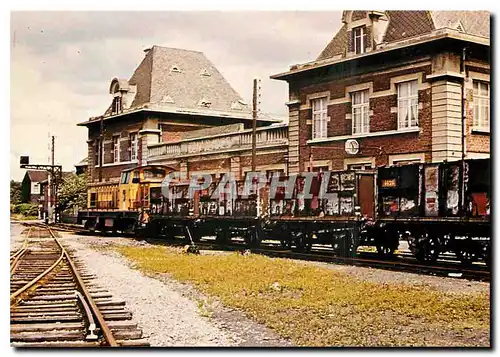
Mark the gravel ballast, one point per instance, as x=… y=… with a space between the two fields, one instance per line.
x=175 y=314
x=170 y=313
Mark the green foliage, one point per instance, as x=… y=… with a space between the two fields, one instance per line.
x=15 y=192
x=73 y=192
x=25 y=209
x=316 y=306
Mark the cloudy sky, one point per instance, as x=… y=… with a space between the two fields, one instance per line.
x=62 y=64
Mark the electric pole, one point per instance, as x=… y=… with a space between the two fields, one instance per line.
x=254 y=123
x=55 y=183
x=51 y=189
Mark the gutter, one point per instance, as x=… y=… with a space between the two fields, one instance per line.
x=233 y=116
x=433 y=36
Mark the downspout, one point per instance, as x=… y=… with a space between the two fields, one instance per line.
x=464 y=124
x=101 y=146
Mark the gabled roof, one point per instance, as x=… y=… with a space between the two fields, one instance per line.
x=37 y=176
x=178 y=78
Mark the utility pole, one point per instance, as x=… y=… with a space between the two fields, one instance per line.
x=254 y=123
x=55 y=183
x=51 y=185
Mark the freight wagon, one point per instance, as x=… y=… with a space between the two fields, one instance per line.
x=437 y=208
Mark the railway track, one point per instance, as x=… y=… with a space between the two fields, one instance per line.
x=54 y=302
x=403 y=263
x=444 y=269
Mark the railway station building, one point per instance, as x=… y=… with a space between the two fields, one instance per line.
x=390 y=88
x=399 y=86
x=176 y=110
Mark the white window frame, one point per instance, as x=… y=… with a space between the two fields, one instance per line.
x=319 y=118
x=481 y=100
x=134 y=146
x=116 y=148
x=362 y=38
x=363 y=126
x=98 y=152
x=361 y=166
x=408 y=105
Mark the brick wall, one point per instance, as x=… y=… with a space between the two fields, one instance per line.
x=122 y=127
x=476 y=142
x=383 y=117
x=172 y=133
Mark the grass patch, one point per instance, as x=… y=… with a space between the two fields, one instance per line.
x=316 y=306
x=22 y=217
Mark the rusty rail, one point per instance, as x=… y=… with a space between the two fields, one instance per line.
x=35 y=280
x=17 y=256
x=89 y=304
x=106 y=331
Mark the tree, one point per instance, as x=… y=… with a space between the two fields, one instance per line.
x=15 y=192
x=72 y=192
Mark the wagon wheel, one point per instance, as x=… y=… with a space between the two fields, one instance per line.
x=385 y=251
x=302 y=242
x=428 y=249
x=465 y=252
x=465 y=255
x=168 y=232
x=387 y=246
x=252 y=238
x=345 y=246
x=412 y=242
x=222 y=236
x=487 y=257
x=285 y=242
x=286 y=238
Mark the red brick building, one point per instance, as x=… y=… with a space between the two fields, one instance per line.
x=397 y=86
x=178 y=110
x=405 y=85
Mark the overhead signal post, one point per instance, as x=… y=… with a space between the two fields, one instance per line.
x=55 y=176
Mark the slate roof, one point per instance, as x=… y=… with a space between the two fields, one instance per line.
x=474 y=22
x=178 y=78
x=409 y=23
x=37 y=176
x=337 y=46
x=405 y=24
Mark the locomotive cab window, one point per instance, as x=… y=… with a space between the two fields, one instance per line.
x=125 y=177
x=136 y=178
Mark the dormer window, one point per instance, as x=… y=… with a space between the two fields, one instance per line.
x=236 y=106
x=205 y=103
x=117 y=105
x=167 y=99
x=359 y=39
x=204 y=73
x=175 y=69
